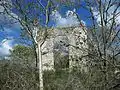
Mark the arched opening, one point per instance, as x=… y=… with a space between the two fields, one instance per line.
x=61 y=52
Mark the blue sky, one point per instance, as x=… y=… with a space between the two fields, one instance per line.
x=12 y=31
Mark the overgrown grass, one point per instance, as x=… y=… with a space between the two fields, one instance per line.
x=19 y=77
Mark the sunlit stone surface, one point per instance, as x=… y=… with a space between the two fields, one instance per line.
x=64 y=48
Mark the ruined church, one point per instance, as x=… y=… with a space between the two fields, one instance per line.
x=64 y=48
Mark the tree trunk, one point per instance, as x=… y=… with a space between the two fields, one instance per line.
x=40 y=67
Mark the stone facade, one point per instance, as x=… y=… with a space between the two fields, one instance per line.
x=64 y=47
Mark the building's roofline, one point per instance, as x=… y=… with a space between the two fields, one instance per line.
x=72 y=27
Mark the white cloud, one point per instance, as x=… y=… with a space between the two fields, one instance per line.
x=5 y=46
x=1 y=9
x=118 y=19
x=69 y=20
x=7 y=3
x=109 y=16
x=5 y=19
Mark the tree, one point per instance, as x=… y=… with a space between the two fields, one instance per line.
x=23 y=55
x=103 y=35
x=103 y=39
x=27 y=14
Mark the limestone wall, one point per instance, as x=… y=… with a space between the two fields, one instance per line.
x=68 y=43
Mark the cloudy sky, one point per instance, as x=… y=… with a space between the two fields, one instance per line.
x=8 y=31
x=69 y=20
x=5 y=46
x=64 y=17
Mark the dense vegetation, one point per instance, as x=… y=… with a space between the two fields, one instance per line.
x=20 y=76
x=20 y=71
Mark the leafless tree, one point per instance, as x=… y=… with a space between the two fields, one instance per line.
x=29 y=24
x=103 y=39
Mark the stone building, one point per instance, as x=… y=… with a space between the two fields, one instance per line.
x=64 y=48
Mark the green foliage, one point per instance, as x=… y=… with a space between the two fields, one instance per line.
x=23 y=54
x=63 y=80
x=17 y=77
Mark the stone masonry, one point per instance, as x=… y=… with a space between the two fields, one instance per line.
x=64 y=47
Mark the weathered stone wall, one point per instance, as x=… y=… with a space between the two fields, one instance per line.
x=63 y=46
x=78 y=48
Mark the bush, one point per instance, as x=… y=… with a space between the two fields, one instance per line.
x=16 y=77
